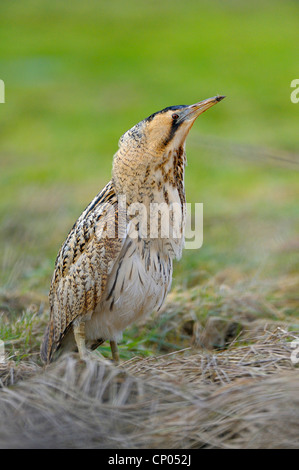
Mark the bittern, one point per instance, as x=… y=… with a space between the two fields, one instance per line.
x=104 y=280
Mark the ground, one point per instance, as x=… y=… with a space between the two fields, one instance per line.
x=221 y=346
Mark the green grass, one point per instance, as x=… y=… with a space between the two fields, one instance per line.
x=78 y=76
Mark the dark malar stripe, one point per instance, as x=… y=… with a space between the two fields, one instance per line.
x=174 y=127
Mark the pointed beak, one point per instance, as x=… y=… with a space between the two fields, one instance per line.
x=194 y=110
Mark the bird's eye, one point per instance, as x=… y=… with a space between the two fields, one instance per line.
x=175 y=116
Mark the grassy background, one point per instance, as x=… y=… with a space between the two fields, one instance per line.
x=79 y=74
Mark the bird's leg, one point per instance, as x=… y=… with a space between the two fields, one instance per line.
x=114 y=350
x=79 y=333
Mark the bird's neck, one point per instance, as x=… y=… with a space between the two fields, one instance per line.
x=155 y=198
x=151 y=180
x=168 y=177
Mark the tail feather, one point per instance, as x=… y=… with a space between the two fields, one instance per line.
x=50 y=350
x=47 y=346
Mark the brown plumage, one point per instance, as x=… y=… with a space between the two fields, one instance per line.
x=115 y=267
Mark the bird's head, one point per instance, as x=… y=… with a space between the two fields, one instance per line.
x=165 y=128
x=148 y=142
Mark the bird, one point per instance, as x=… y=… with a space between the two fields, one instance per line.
x=107 y=274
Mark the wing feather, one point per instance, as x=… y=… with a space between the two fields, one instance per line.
x=83 y=265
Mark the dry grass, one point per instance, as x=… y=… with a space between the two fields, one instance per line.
x=241 y=395
x=269 y=354
x=245 y=396
x=11 y=373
